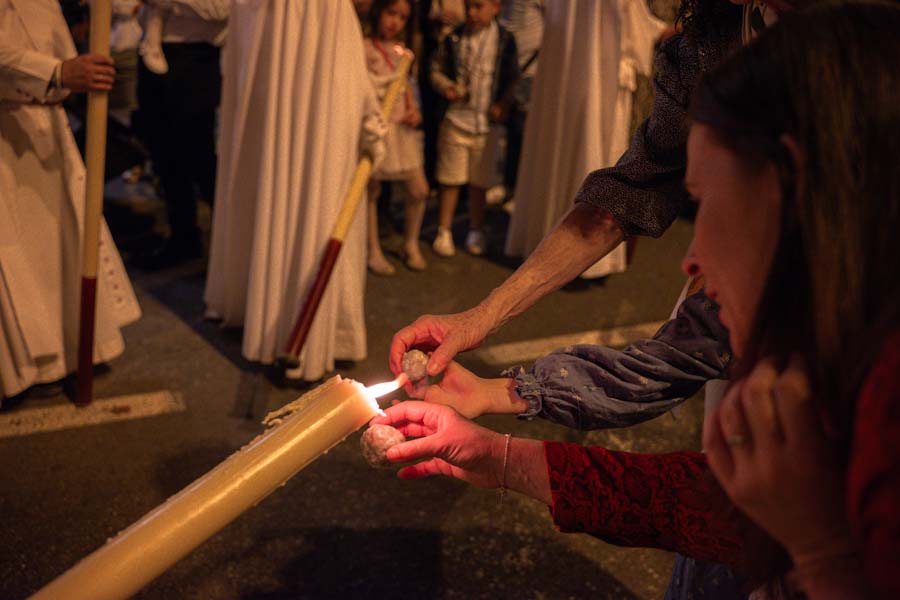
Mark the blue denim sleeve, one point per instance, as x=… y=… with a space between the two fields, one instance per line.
x=593 y=387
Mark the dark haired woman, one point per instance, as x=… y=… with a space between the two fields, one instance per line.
x=795 y=234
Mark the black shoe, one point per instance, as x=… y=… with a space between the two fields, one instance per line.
x=170 y=254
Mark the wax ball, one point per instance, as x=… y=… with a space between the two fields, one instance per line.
x=375 y=442
x=413 y=364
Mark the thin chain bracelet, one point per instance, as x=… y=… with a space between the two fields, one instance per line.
x=505 y=461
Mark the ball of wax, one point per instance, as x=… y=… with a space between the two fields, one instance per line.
x=414 y=363
x=375 y=442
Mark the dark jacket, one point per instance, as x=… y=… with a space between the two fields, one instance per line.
x=445 y=65
x=643 y=191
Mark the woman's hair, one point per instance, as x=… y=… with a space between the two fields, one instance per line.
x=828 y=78
x=379 y=6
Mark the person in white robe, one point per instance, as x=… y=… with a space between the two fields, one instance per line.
x=580 y=115
x=42 y=201
x=297 y=106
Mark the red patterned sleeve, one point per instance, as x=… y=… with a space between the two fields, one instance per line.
x=666 y=501
x=873 y=486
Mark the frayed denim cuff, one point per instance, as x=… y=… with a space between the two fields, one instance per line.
x=528 y=388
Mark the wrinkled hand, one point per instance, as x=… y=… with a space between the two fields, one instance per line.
x=450 y=444
x=88 y=73
x=446 y=335
x=767 y=446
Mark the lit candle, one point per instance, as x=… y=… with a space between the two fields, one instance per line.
x=306 y=429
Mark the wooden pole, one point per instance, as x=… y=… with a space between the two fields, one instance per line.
x=95 y=157
x=291 y=356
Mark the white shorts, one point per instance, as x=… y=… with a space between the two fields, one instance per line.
x=465 y=157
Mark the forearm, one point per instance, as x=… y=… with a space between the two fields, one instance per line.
x=585 y=235
x=591 y=387
x=665 y=501
x=526 y=469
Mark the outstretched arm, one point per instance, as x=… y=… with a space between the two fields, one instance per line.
x=640 y=195
x=666 y=501
x=585 y=235
x=594 y=387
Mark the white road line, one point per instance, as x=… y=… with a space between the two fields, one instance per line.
x=528 y=350
x=107 y=410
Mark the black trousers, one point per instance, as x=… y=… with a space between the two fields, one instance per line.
x=177 y=117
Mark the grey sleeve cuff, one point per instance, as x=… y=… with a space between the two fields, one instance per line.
x=528 y=388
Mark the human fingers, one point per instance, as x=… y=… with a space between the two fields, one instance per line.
x=444 y=354
x=758 y=403
x=733 y=421
x=796 y=409
x=414 y=430
x=100 y=86
x=423 y=447
x=98 y=82
x=717 y=450
x=102 y=76
x=428 y=468
x=416 y=335
x=412 y=411
x=103 y=71
x=99 y=59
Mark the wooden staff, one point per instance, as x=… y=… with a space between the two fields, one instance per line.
x=95 y=157
x=291 y=357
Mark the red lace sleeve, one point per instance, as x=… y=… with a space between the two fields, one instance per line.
x=873 y=486
x=666 y=501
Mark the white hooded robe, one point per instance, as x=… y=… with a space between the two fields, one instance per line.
x=296 y=94
x=42 y=212
x=580 y=112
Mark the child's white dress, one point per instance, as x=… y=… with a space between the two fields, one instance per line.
x=403 y=144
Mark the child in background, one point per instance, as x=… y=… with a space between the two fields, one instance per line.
x=474 y=67
x=391 y=33
x=154 y=17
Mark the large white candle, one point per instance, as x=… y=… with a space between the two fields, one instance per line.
x=142 y=552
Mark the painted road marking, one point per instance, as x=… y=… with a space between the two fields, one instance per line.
x=529 y=350
x=107 y=410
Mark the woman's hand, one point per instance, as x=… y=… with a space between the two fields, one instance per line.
x=767 y=446
x=452 y=445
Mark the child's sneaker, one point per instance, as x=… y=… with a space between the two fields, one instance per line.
x=443 y=243
x=476 y=242
x=153 y=58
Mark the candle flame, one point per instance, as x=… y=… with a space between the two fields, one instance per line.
x=380 y=389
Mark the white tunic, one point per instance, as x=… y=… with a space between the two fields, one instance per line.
x=295 y=95
x=42 y=211
x=580 y=111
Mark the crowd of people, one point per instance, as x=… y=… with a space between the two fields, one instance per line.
x=777 y=117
